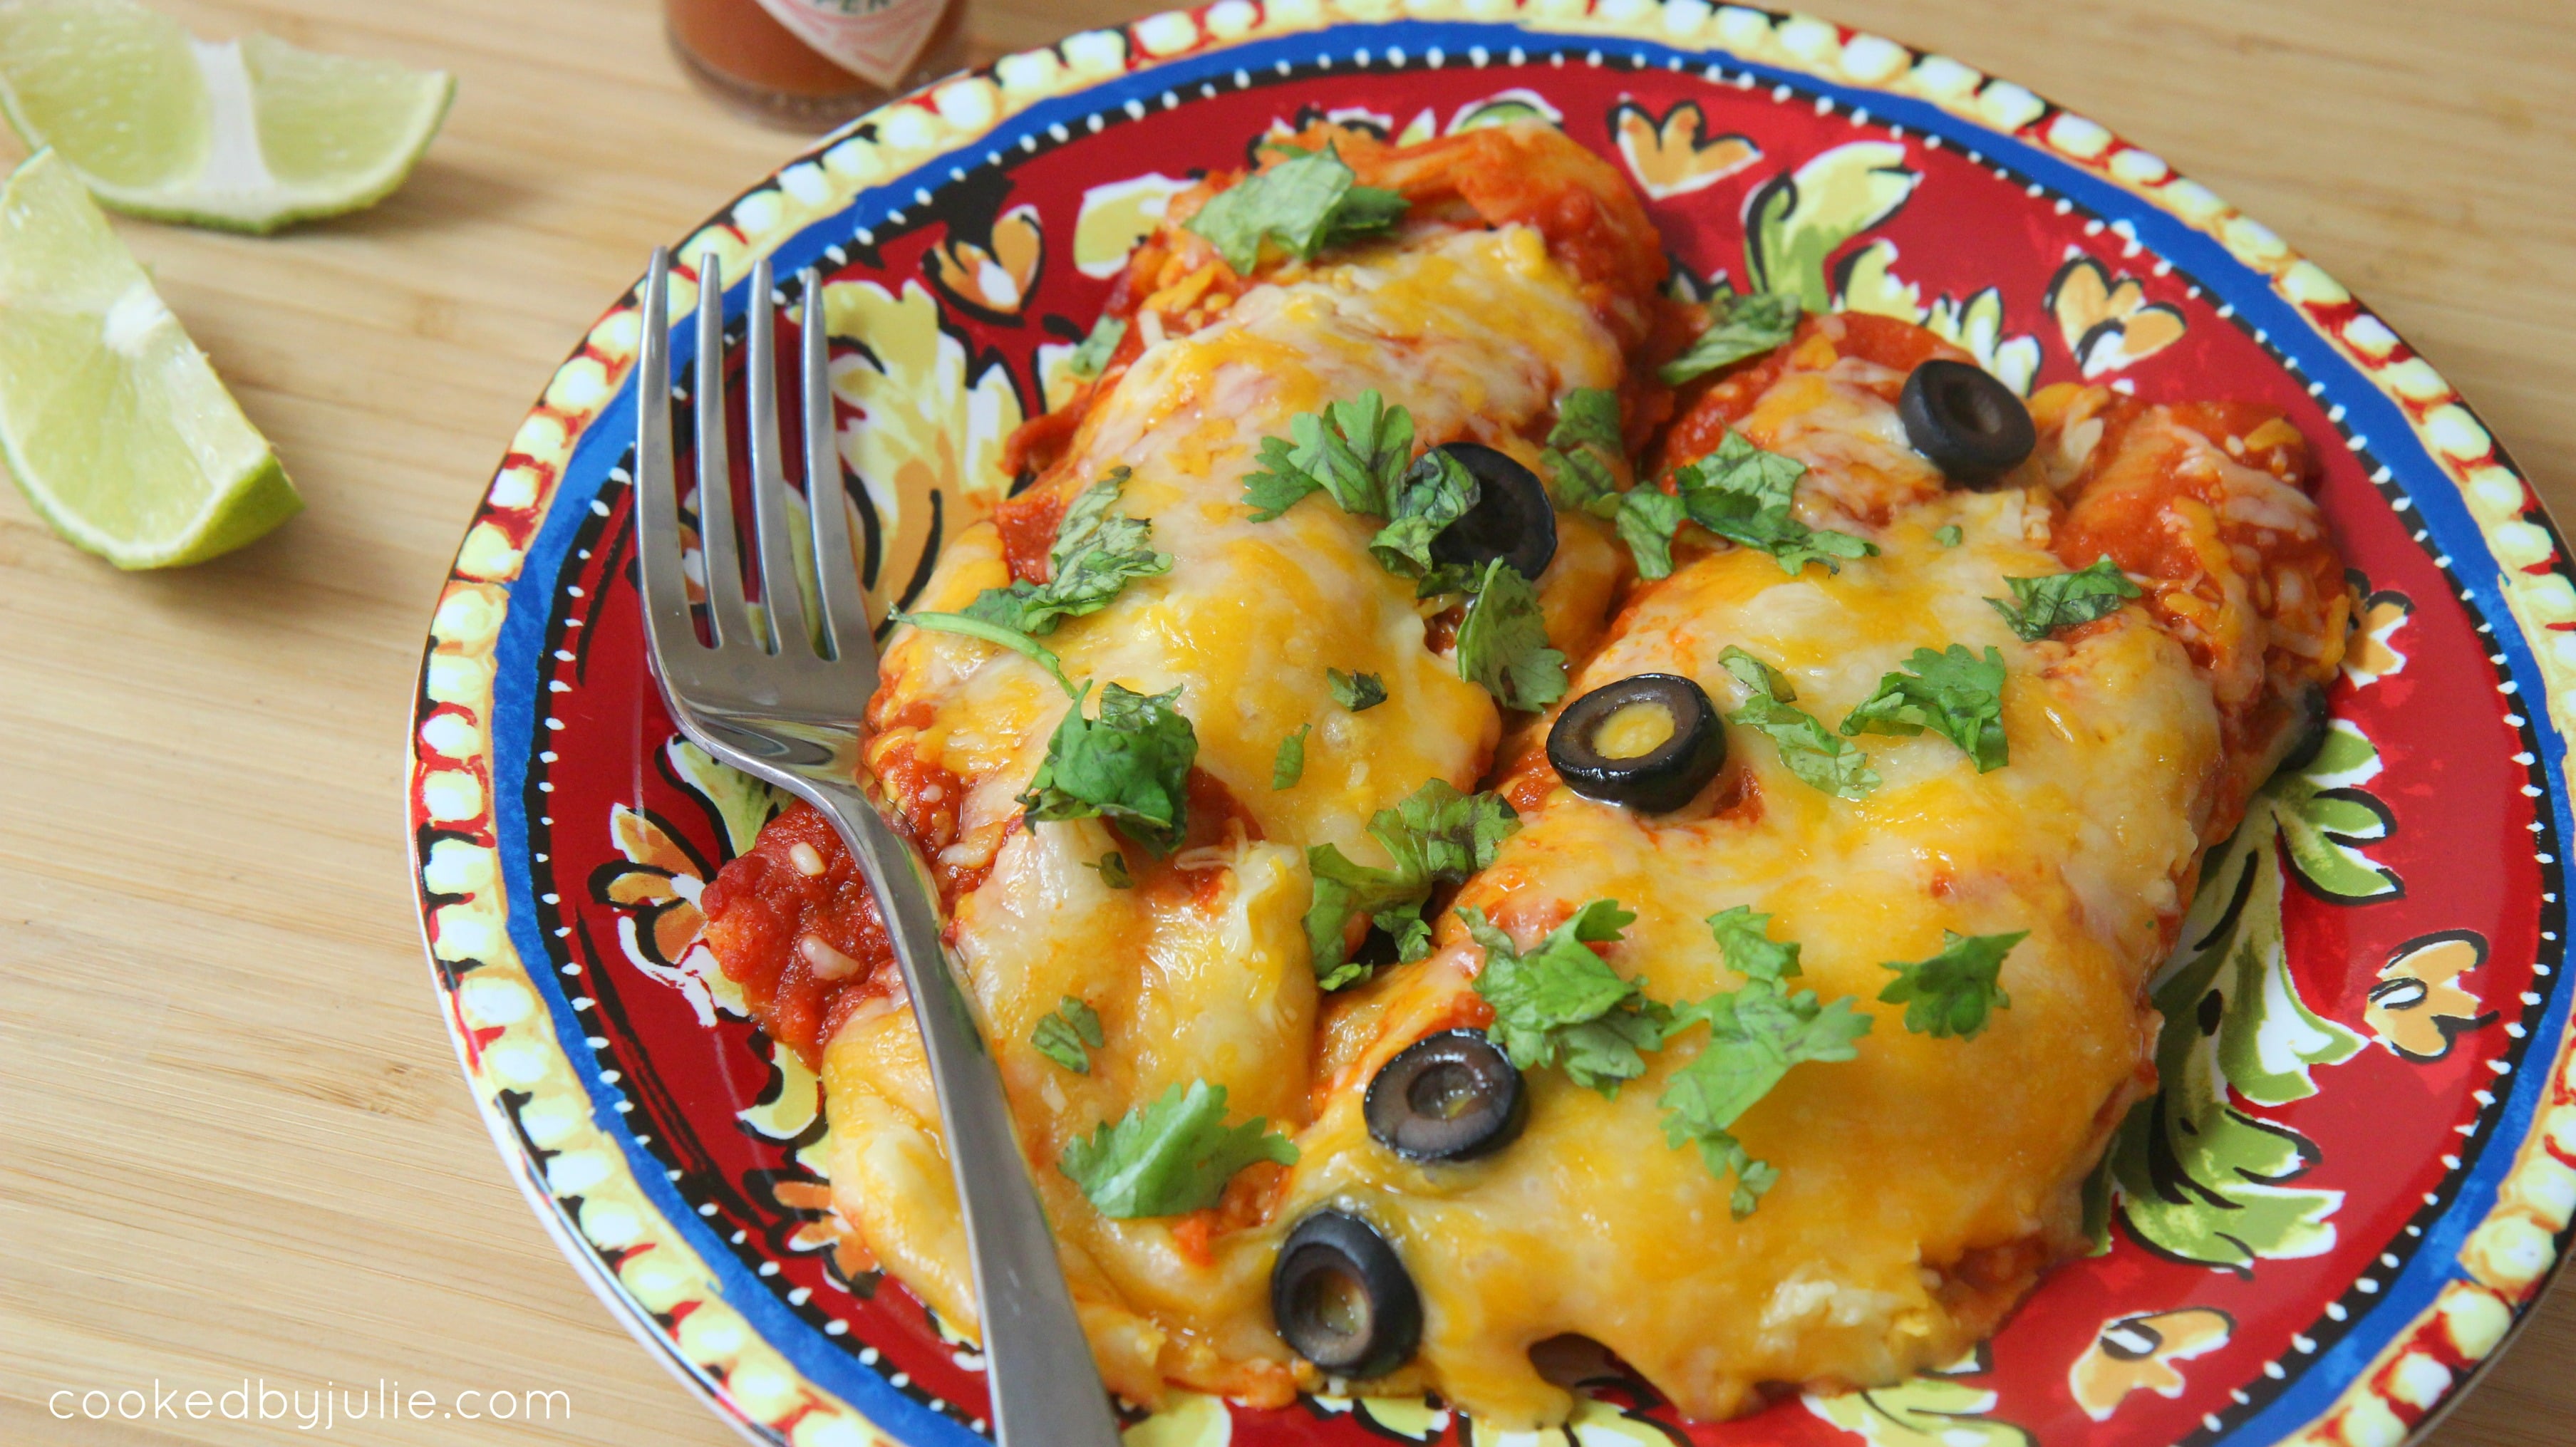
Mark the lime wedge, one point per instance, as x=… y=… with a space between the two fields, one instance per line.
x=247 y=135
x=111 y=421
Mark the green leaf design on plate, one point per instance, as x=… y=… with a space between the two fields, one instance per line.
x=1935 y=1409
x=2196 y=1173
x=1797 y=219
x=742 y=804
x=2325 y=818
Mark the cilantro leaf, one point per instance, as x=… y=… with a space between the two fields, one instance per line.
x=1744 y=942
x=1113 y=870
x=1755 y=1036
x=1952 y=992
x=1756 y=1033
x=1436 y=835
x=1289 y=764
x=968 y=626
x=1061 y=1036
x=1583 y=446
x=1808 y=749
x=1647 y=520
x=1953 y=693
x=1097 y=550
x=1358 y=451
x=1756 y=675
x=1814 y=754
x=1743 y=493
x=1358 y=692
x=1305 y=204
x=1168 y=1157
x=1581 y=479
x=1095 y=350
x=1131 y=766
x=1739 y=327
x=1361 y=452
x=1588 y=417
x=1434 y=492
x=1503 y=643
x=1948 y=537
x=1560 y=1004
x=2062 y=600
x=1719 y=1150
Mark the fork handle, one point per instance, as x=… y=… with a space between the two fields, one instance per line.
x=1045 y=1388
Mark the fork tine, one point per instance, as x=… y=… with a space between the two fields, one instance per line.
x=781 y=592
x=667 y=625
x=836 y=562
x=731 y=619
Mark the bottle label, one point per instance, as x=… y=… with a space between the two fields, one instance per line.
x=875 y=40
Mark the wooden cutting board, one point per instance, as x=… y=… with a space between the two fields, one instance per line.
x=233 y=1141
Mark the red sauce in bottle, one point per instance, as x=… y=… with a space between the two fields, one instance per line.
x=814 y=63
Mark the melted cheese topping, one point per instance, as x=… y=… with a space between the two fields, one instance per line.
x=1923 y=1185
x=1899 y=1167
x=1634 y=731
x=1476 y=334
x=1202 y=971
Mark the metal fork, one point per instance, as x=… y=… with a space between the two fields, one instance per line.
x=780 y=699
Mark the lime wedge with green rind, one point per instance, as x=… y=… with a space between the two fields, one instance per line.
x=246 y=135
x=111 y=421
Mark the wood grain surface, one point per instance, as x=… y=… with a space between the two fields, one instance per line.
x=233 y=1139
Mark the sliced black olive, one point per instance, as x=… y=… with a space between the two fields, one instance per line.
x=1453 y=1096
x=1512 y=519
x=1965 y=422
x=1650 y=742
x=2306 y=730
x=1343 y=1300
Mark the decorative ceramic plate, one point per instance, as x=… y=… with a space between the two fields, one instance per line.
x=2358 y=1174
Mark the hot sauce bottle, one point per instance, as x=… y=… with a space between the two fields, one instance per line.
x=809 y=64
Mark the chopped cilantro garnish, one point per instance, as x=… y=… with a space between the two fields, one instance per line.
x=1560 y=1004
x=1097 y=550
x=1581 y=449
x=1503 y=643
x=1003 y=634
x=1743 y=493
x=1113 y=870
x=1815 y=754
x=1952 y=992
x=1358 y=692
x=1131 y=766
x=1954 y=694
x=1646 y=520
x=1306 y=204
x=1755 y=1035
x=1061 y=1036
x=1948 y=537
x=1435 y=835
x=1289 y=764
x=1588 y=417
x=1756 y=675
x=1739 y=327
x=1358 y=451
x=1434 y=492
x=2062 y=600
x=1361 y=453
x=1169 y=1157
x=1096 y=349
x=1744 y=942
